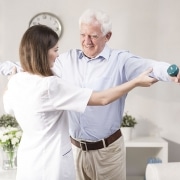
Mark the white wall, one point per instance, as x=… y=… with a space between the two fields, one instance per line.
x=150 y=29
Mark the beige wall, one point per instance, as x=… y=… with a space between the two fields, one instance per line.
x=149 y=29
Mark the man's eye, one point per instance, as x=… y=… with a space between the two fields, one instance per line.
x=94 y=37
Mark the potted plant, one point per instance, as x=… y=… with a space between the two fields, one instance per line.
x=127 y=125
x=7 y=120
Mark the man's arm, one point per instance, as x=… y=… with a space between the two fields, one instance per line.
x=6 y=67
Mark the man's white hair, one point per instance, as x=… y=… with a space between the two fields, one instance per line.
x=91 y=16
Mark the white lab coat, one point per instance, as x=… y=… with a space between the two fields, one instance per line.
x=39 y=105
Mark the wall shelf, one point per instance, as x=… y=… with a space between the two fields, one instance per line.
x=139 y=150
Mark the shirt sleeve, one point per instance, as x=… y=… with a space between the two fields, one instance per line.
x=135 y=65
x=6 y=67
x=63 y=96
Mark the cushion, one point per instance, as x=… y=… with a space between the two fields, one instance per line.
x=163 y=171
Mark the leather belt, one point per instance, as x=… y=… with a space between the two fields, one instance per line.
x=86 y=146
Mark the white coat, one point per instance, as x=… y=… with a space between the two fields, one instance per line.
x=39 y=105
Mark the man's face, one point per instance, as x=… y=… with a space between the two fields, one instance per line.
x=92 y=39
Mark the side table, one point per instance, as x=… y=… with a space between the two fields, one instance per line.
x=139 y=150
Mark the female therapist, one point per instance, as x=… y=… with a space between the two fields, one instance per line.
x=39 y=100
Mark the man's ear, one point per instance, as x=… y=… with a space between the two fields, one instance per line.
x=108 y=36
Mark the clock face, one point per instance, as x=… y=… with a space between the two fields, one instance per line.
x=49 y=20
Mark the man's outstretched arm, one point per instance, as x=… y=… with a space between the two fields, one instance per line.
x=6 y=67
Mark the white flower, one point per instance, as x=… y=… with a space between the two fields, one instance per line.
x=10 y=138
x=1 y=134
x=18 y=134
x=15 y=141
x=5 y=138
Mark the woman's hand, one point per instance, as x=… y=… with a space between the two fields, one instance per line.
x=144 y=80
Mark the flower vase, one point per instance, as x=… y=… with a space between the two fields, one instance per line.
x=9 y=159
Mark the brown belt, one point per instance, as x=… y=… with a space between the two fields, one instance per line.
x=85 y=146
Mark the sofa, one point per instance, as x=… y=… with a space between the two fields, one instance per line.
x=163 y=171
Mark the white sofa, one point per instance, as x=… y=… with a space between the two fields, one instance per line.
x=163 y=171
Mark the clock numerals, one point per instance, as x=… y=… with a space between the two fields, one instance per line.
x=55 y=22
x=44 y=16
x=34 y=23
x=47 y=19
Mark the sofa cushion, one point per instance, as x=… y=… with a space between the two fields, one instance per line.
x=163 y=171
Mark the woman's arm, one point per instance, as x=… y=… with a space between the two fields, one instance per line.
x=107 y=96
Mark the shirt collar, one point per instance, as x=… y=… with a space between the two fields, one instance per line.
x=105 y=53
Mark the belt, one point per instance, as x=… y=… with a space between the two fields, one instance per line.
x=86 y=146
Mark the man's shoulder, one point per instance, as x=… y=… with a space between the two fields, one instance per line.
x=120 y=51
x=70 y=52
x=119 y=54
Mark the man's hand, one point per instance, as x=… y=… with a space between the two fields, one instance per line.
x=14 y=71
x=176 y=79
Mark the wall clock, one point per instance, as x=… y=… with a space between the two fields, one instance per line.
x=48 y=19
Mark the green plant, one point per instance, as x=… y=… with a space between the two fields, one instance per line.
x=7 y=120
x=128 y=121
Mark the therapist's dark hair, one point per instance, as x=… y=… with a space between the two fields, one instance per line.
x=33 y=50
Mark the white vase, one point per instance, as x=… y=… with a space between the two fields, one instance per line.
x=127 y=133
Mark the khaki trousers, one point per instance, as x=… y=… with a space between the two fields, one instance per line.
x=104 y=164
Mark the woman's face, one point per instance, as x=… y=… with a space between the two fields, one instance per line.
x=53 y=54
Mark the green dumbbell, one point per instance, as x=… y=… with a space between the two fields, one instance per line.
x=173 y=70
